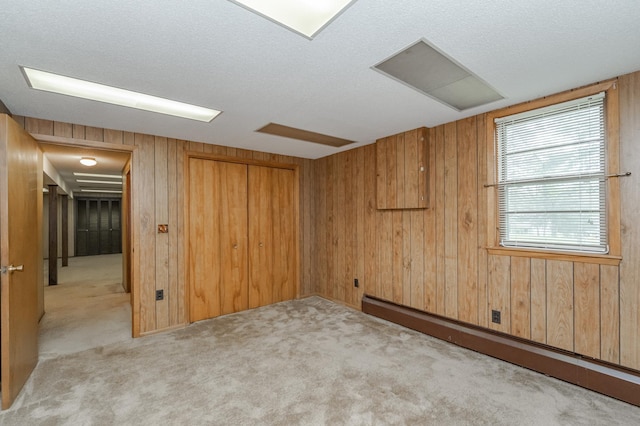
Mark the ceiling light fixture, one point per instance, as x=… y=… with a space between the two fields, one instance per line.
x=56 y=83
x=88 y=161
x=108 y=191
x=97 y=175
x=307 y=17
x=98 y=181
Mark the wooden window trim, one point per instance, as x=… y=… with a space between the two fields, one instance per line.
x=612 y=117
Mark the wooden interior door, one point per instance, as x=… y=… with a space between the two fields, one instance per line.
x=218 y=282
x=20 y=244
x=272 y=259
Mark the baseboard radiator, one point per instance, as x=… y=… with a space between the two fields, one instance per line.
x=598 y=376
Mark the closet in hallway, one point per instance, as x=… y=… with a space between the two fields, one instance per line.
x=242 y=235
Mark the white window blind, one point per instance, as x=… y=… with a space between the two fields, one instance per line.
x=551 y=170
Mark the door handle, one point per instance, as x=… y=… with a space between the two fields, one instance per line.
x=11 y=268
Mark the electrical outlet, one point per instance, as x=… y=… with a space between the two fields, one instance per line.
x=159 y=294
x=356 y=283
x=495 y=316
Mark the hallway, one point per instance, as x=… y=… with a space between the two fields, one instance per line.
x=87 y=309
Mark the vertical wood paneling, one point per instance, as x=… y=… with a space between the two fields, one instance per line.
x=429 y=240
x=467 y=226
x=145 y=175
x=451 y=220
x=521 y=297
x=161 y=200
x=78 y=131
x=337 y=224
x=440 y=219
x=94 y=134
x=609 y=314
x=560 y=304
x=359 y=233
x=175 y=192
x=396 y=256
x=411 y=171
x=371 y=283
x=399 y=164
x=500 y=291
x=114 y=136
x=392 y=174
x=385 y=254
x=417 y=259
x=483 y=313
x=406 y=258
x=629 y=194
x=539 y=300
x=64 y=130
x=320 y=215
x=38 y=126
x=586 y=287
x=381 y=173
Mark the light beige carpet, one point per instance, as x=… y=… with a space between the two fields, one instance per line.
x=306 y=362
x=88 y=308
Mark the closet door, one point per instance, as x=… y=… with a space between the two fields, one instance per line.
x=272 y=259
x=217 y=238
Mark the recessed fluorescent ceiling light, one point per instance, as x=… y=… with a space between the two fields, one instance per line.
x=307 y=17
x=303 y=135
x=109 y=191
x=55 y=83
x=98 y=181
x=97 y=175
x=423 y=68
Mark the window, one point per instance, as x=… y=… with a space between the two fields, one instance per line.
x=552 y=177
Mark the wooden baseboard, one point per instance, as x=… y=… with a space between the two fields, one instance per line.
x=608 y=379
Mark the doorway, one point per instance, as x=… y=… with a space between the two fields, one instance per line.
x=91 y=304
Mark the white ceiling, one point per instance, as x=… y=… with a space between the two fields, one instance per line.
x=66 y=161
x=216 y=54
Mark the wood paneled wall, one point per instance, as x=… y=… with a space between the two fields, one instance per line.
x=435 y=259
x=158 y=198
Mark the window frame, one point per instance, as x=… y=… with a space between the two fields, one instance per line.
x=612 y=163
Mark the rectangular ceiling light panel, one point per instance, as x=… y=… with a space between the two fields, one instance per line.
x=306 y=17
x=56 y=83
x=423 y=68
x=303 y=135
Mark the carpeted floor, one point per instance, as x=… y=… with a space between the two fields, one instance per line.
x=304 y=362
x=88 y=308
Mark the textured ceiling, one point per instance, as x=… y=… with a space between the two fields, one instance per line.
x=219 y=55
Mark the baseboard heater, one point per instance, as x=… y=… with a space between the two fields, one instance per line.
x=598 y=376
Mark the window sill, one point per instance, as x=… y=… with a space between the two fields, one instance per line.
x=601 y=259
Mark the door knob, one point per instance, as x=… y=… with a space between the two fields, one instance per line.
x=235 y=246
x=11 y=268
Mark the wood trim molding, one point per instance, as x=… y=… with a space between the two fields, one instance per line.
x=239 y=160
x=608 y=379
x=84 y=143
x=600 y=259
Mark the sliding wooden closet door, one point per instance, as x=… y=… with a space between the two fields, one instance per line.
x=272 y=260
x=217 y=238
